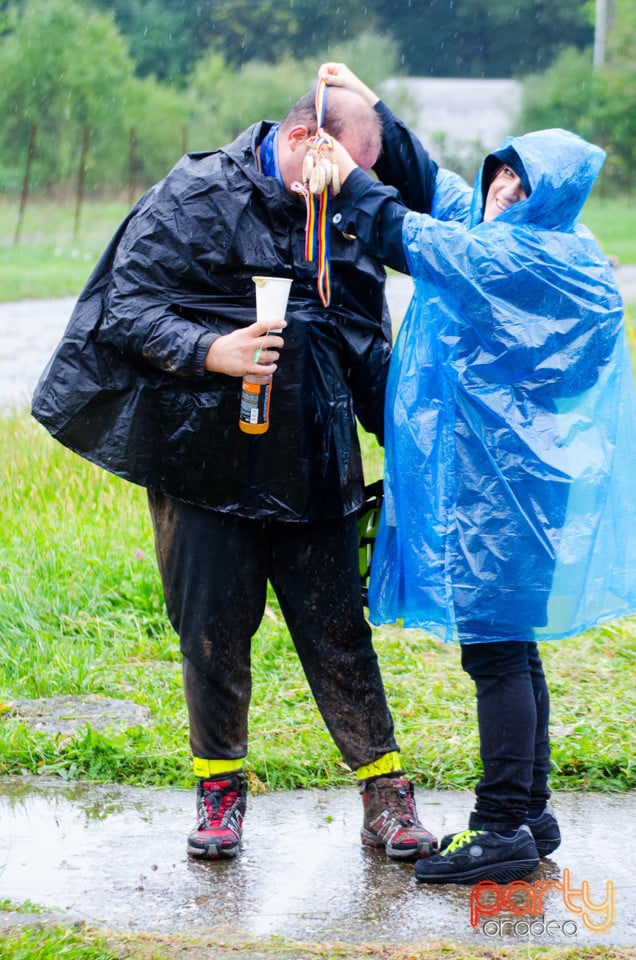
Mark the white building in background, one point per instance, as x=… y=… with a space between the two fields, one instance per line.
x=459 y=121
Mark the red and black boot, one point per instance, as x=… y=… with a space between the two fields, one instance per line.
x=221 y=808
x=391 y=821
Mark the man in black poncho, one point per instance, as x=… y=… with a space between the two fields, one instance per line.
x=146 y=383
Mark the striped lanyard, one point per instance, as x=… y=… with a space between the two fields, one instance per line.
x=318 y=174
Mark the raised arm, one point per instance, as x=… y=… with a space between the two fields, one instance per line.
x=403 y=163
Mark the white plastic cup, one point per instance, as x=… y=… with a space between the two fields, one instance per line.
x=272 y=294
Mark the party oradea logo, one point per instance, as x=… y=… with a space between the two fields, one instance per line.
x=526 y=903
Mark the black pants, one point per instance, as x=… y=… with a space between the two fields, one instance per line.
x=215 y=569
x=513 y=713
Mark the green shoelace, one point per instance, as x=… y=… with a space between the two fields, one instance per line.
x=459 y=840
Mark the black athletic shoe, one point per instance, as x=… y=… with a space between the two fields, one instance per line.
x=475 y=855
x=545 y=830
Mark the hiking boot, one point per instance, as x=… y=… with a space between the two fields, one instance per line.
x=475 y=855
x=221 y=807
x=545 y=830
x=390 y=819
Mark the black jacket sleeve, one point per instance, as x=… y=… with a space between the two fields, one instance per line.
x=404 y=163
x=374 y=214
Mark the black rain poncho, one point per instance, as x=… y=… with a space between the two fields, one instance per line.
x=127 y=387
x=510 y=417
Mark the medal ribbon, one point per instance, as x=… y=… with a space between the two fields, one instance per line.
x=317 y=205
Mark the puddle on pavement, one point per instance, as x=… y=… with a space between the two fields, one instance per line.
x=115 y=856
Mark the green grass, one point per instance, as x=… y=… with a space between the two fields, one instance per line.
x=82 y=613
x=82 y=609
x=612 y=220
x=53 y=943
x=49 y=260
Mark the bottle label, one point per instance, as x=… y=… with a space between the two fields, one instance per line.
x=255 y=403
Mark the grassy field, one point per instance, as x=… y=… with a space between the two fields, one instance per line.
x=82 y=609
x=82 y=613
x=50 y=260
x=612 y=222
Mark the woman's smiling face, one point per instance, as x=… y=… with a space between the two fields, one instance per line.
x=504 y=190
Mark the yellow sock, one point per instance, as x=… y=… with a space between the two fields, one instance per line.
x=389 y=763
x=213 y=768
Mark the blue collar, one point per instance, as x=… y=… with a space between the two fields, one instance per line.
x=269 y=154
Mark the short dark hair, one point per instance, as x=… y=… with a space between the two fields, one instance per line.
x=344 y=112
x=304 y=112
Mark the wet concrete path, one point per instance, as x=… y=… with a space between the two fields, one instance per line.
x=115 y=856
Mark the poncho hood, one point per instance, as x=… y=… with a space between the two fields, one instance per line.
x=561 y=169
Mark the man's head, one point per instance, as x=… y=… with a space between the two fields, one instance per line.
x=348 y=118
x=504 y=182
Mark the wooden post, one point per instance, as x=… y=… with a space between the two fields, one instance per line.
x=81 y=176
x=25 y=183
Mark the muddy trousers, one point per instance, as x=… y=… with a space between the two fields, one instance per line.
x=215 y=568
x=513 y=714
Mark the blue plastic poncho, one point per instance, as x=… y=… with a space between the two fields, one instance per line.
x=510 y=417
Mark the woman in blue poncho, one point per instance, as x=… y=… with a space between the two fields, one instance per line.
x=510 y=444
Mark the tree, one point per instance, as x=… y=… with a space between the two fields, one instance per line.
x=61 y=69
x=600 y=105
x=9 y=14
x=168 y=37
x=228 y=100
x=614 y=119
x=484 y=38
x=621 y=33
x=165 y=38
x=66 y=70
x=470 y=38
